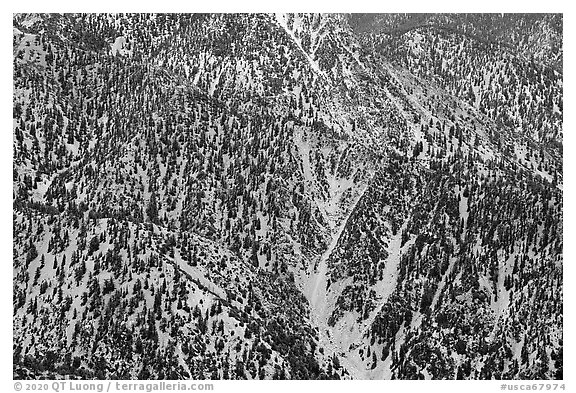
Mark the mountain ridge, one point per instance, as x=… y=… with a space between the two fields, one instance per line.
x=234 y=151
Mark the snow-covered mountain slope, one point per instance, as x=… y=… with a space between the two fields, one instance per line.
x=283 y=196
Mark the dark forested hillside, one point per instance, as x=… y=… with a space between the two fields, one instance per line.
x=296 y=196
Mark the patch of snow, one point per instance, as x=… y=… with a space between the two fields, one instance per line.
x=118 y=47
x=281 y=20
